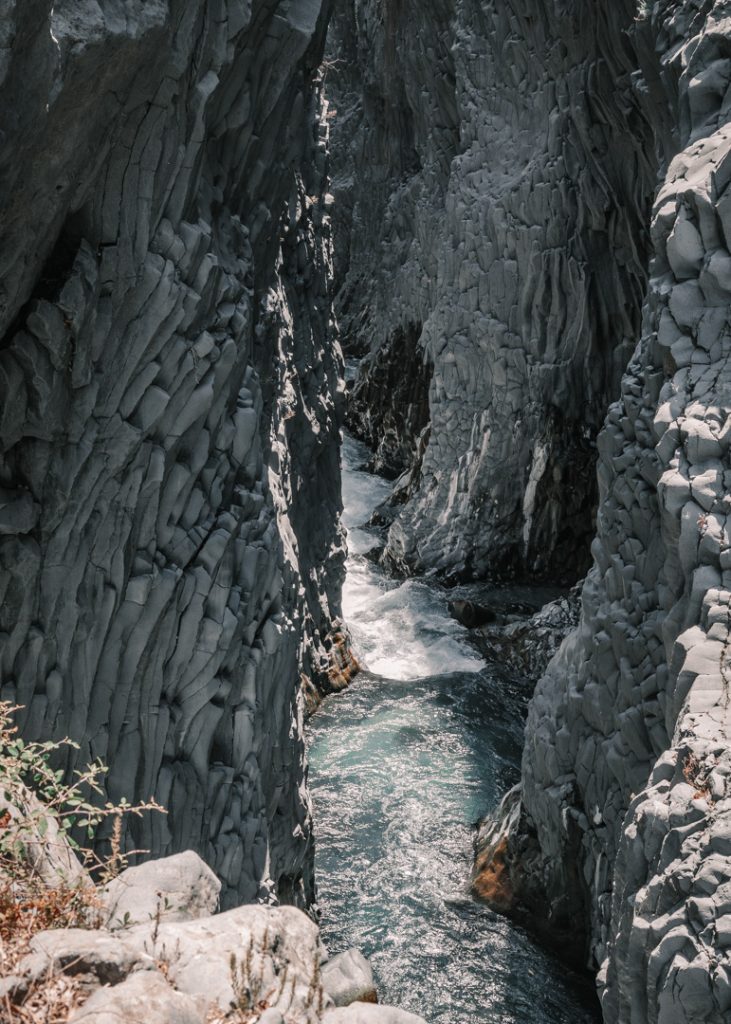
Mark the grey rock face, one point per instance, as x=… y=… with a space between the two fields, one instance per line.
x=496 y=167
x=168 y=389
x=502 y=204
x=388 y=407
x=626 y=797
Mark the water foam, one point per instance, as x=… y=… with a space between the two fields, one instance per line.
x=401 y=630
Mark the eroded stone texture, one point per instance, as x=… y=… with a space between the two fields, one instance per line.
x=161 y=348
x=626 y=806
x=499 y=167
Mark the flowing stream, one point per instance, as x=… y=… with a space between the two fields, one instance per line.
x=401 y=766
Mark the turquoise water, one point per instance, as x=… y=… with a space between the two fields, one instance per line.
x=401 y=766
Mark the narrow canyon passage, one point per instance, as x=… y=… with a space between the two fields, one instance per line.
x=401 y=765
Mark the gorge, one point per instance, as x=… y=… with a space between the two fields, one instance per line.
x=514 y=215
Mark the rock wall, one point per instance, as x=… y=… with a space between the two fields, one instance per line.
x=625 y=820
x=169 y=404
x=511 y=152
x=149 y=946
x=495 y=167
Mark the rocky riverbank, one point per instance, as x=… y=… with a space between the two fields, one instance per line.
x=156 y=952
x=171 y=397
x=502 y=201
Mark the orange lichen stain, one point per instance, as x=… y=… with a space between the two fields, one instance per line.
x=344 y=665
x=342 y=668
x=491 y=878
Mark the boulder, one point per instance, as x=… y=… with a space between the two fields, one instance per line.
x=470 y=614
x=244 y=957
x=144 y=998
x=108 y=958
x=348 y=977
x=367 y=1013
x=177 y=888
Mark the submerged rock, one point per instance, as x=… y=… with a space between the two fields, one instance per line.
x=471 y=615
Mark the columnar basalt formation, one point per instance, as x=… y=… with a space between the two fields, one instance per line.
x=499 y=165
x=515 y=232
x=625 y=816
x=169 y=395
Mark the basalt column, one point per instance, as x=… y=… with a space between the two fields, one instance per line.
x=495 y=168
x=164 y=314
x=624 y=821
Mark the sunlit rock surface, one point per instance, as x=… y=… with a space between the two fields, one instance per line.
x=169 y=481
x=626 y=805
x=494 y=166
x=498 y=164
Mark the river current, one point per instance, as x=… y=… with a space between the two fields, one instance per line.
x=402 y=764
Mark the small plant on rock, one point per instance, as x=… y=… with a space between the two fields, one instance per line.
x=46 y=874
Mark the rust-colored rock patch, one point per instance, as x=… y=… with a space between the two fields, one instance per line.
x=491 y=879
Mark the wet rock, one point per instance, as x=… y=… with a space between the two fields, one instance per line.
x=471 y=615
x=526 y=644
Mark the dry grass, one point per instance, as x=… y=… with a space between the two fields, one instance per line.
x=250 y=997
x=25 y=911
x=50 y=1000
x=42 y=883
x=696 y=775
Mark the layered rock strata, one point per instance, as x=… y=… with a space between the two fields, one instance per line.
x=496 y=167
x=624 y=820
x=169 y=406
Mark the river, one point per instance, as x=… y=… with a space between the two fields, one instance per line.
x=401 y=766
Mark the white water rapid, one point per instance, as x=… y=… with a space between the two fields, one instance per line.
x=401 y=765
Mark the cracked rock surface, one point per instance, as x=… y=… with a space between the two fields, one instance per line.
x=494 y=168
x=497 y=163
x=624 y=820
x=174 y=960
x=169 y=402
